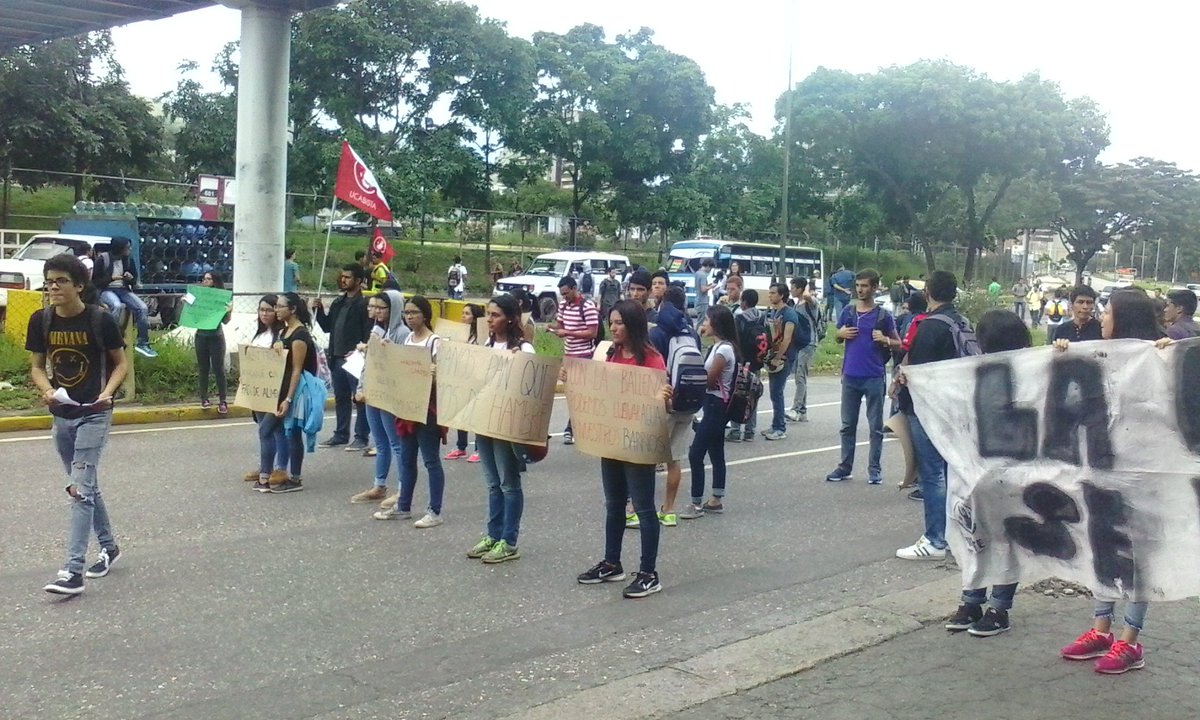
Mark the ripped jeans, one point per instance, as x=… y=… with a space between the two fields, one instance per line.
x=79 y=442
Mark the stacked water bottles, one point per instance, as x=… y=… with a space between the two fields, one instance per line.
x=154 y=210
x=183 y=251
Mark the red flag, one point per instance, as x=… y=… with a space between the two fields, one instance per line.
x=381 y=247
x=356 y=185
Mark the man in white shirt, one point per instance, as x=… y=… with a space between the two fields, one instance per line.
x=456 y=279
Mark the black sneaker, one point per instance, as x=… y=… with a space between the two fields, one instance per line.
x=356 y=446
x=964 y=617
x=66 y=584
x=602 y=571
x=992 y=623
x=916 y=495
x=332 y=442
x=291 y=485
x=643 y=584
x=261 y=486
x=102 y=566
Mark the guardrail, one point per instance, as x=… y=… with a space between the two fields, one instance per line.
x=12 y=240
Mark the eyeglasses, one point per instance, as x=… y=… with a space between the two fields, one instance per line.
x=59 y=282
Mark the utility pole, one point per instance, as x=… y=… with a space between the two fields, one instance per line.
x=787 y=166
x=1157 y=258
x=1175 y=265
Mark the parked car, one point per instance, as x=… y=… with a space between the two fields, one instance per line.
x=361 y=224
x=541 y=278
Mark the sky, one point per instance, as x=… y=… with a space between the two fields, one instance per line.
x=1136 y=60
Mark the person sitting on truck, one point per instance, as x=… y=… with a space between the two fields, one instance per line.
x=115 y=276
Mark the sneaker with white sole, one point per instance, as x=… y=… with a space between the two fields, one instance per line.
x=643 y=584
x=481 y=548
x=775 y=435
x=691 y=512
x=568 y=439
x=100 y=568
x=601 y=572
x=391 y=513
x=389 y=501
x=430 y=520
x=632 y=521
x=921 y=550
x=500 y=552
x=68 y=583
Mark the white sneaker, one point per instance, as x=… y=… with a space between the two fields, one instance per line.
x=921 y=550
x=430 y=520
x=391 y=514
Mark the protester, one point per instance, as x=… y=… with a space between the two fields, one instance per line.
x=471 y=314
x=115 y=275
x=732 y=299
x=783 y=321
x=637 y=289
x=273 y=449
x=1130 y=315
x=998 y=331
x=502 y=461
x=897 y=422
x=210 y=352
x=347 y=325
x=291 y=271
x=379 y=276
x=525 y=305
x=702 y=281
x=301 y=358
x=577 y=323
x=456 y=279
x=1179 y=315
x=869 y=335
x=621 y=479
x=415 y=436
x=87 y=363
x=1055 y=312
x=721 y=365
x=808 y=334
x=659 y=282
x=673 y=326
x=389 y=327
x=1083 y=325
x=752 y=338
x=610 y=292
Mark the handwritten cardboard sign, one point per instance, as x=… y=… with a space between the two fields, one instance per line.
x=616 y=411
x=454 y=331
x=398 y=379
x=260 y=373
x=204 y=307
x=496 y=393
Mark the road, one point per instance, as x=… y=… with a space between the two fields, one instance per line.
x=232 y=604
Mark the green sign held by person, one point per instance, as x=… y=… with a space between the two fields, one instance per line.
x=204 y=307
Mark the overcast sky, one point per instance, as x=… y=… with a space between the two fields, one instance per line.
x=1137 y=60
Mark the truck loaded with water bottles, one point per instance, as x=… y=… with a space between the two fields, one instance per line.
x=169 y=253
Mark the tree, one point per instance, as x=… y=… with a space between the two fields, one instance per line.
x=738 y=171
x=204 y=123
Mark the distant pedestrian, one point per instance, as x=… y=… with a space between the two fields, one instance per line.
x=610 y=292
x=703 y=284
x=291 y=271
x=456 y=279
x=808 y=335
x=577 y=323
x=1019 y=291
x=993 y=291
x=721 y=365
x=211 y=354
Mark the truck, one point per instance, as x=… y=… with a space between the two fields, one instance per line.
x=169 y=254
x=540 y=279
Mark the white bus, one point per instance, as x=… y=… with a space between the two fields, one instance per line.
x=757 y=263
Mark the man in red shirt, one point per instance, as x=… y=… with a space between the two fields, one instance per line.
x=577 y=323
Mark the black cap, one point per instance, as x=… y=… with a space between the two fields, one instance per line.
x=641 y=277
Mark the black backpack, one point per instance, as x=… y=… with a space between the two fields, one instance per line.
x=755 y=341
x=95 y=315
x=587 y=283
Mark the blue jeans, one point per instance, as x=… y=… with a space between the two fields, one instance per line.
x=344 y=385
x=775 y=385
x=79 y=442
x=853 y=392
x=387 y=443
x=1002 y=596
x=709 y=440
x=931 y=478
x=623 y=480
x=506 y=500
x=273 y=449
x=425 y=438
x=117 y=298
x=1135 y=612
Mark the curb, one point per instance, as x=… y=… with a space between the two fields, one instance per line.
x=758 y=660
x=136 y=416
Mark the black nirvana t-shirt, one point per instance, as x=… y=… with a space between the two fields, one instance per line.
x=74 y=352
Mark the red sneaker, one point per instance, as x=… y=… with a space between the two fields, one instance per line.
x=474 y=458
x=455 y=454
x=1089 y=645
x=1122 y=657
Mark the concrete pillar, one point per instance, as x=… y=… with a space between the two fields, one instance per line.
x=262 y=121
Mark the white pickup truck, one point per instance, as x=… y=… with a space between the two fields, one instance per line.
x=23 y=271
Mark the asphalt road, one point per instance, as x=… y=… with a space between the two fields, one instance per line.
x=232 y=604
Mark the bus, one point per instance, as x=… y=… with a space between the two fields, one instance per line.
x=756 y=262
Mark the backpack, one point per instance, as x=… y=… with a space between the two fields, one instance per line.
x=587 y=283
x=965 y=344
x=744 y=394
x=453 y=277
x=813 y=312
x=686 y=375
x=390 y=282
x=1054 y=310
x=755 y=341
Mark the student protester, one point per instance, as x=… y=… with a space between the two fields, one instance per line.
x=998 y=331
x=456 y=279
x=635 y=481
x=703 y=283
x=1056 y=311
x=419 y=437
x=869 y=335
x=389 y=327
x=471 y=314
x=609 y=292
x=721 y=364
x=291 y=271
x=673 y=323
x=659 y=282
x=934 y=341
x=808 y=334
x=378 y=276
x=1130 y=315
x=782 y=320
x=1083 y=325
x=748 y=322
x=577 y=323
x=87 y=364
x=347 y=325
x=273 y=449
x=210 y=352
x=115 y=275
x=296 y=339
x=1179 y=314
x=501 y=461
x=732 y=299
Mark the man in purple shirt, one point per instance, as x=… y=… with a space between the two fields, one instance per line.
x=869 y=334
x=1181 y=306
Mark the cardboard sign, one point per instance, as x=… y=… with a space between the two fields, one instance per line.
x=454 y=331
x=399 y=379
x=204 y=308
x=616 y=411
x=601 y=351
x=1082 y=464
x=496 y=393
x=260 y=374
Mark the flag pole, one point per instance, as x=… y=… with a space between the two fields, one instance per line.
x=325 y=257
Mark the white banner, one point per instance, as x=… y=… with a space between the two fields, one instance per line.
x=1083 y=465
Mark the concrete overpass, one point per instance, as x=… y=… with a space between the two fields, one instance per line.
x=259 y=216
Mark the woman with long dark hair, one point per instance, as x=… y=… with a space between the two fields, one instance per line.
x=635 y=481
x=296 y=339
x=389 y=328
x=210 y=352
x=471 y=313
x=419 y=437
x=721 y=364
x=272 y=445
x=501 y=461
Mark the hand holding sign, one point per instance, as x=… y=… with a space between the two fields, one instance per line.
x=207 y=308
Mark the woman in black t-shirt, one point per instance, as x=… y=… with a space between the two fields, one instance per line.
x=301 y=356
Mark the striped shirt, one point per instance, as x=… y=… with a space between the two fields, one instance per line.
x=573 y=317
